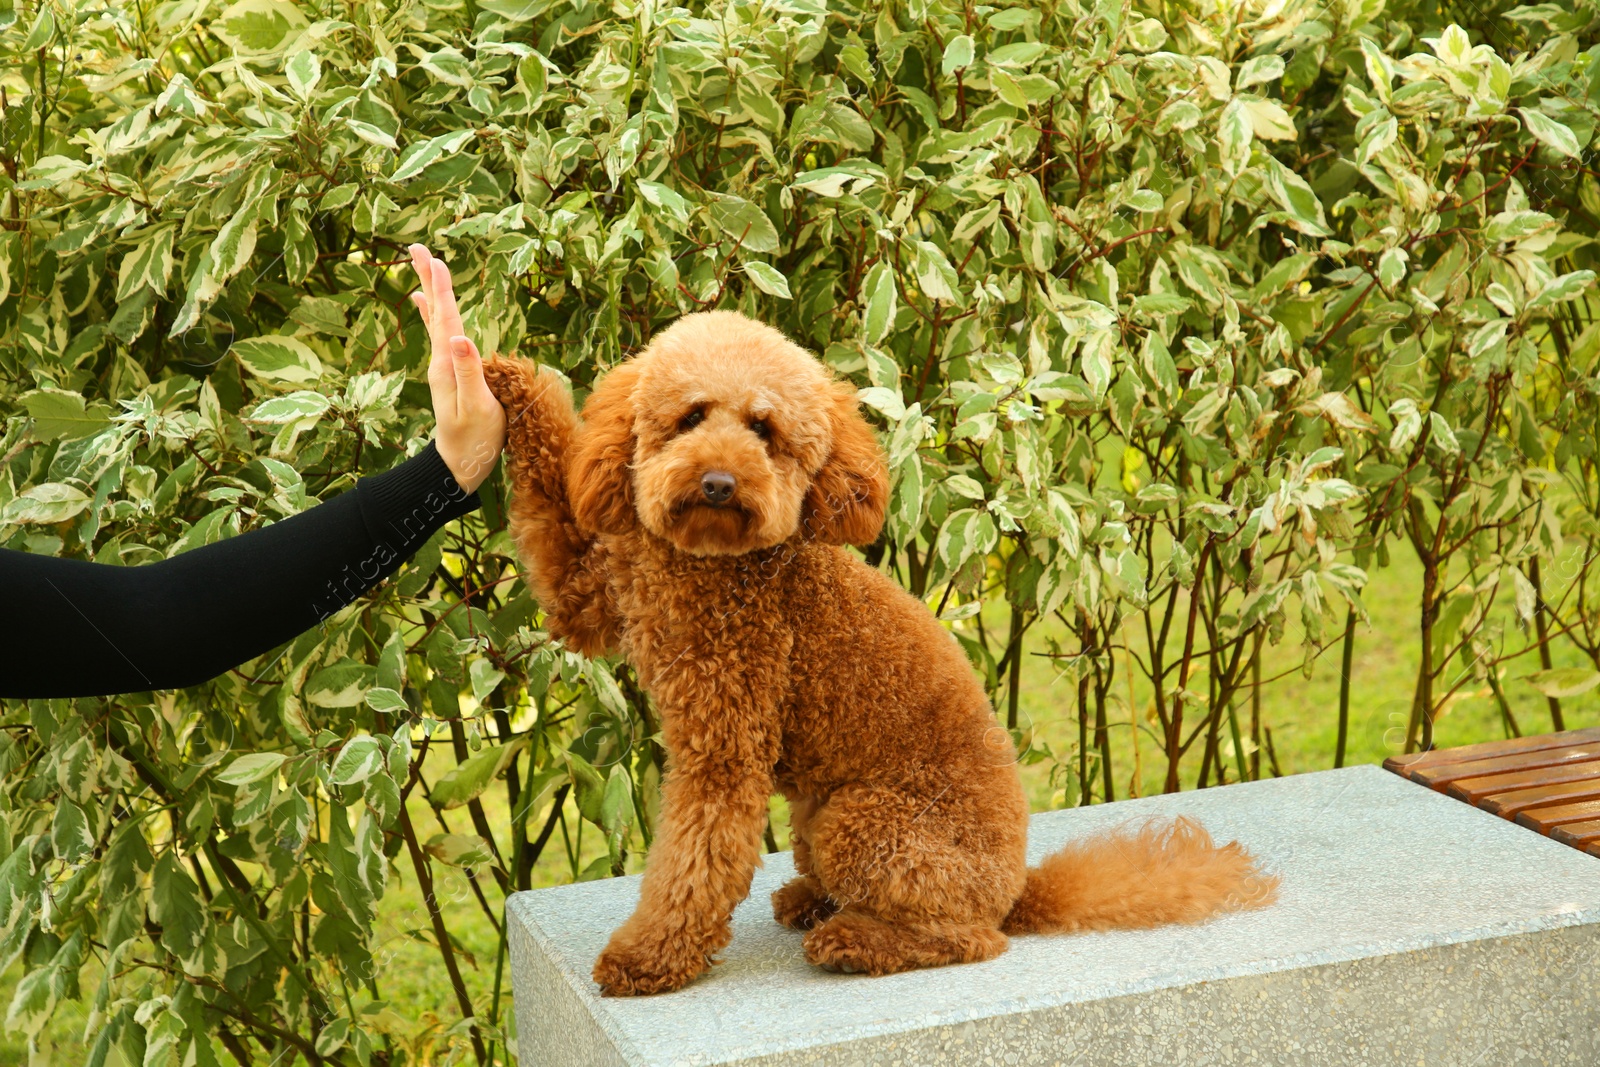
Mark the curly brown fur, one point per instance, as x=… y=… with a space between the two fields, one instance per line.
x=781 y=662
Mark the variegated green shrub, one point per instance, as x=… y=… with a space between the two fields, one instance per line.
x=1178 y=320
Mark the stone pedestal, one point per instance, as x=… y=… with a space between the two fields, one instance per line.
x=1410 y=929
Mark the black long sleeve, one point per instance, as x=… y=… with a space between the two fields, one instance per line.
x=73 y=628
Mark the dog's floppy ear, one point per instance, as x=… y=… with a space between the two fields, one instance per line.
x=598 y=483
x=847 y=499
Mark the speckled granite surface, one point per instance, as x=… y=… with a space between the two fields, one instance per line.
x=1410 y=929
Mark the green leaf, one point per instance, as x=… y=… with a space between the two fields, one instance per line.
x=885 y=400
x=333 y=1037
x=484 y=676
x=469 y=779
x=420 y=156
x=374 y=135
x=1379 y=135
x=175 y=903
x=1255 y=71
x=958 y=53
x=33 y=1001
x=831 y=181
x=58 y=414
x=964 y=486
x=935 y=276
x=1021 y=54
x=70 y=833
x=667 y=199
x=1564 y=681
x=278 y=359
x=1515 y=224
x=359 y=759
x=1441 y=435
x=1234 y=134
x=460 y=850
x=516 y=10
x=48 y=503
x=148 y=265
x=767 y=278
x=1295 y=196
x=1161 y=304
x=1392 y=267
x=587 y=784
x=1202 y=270
x=1550 y=133
x=19 y=892
x=1147 y=35
x=49 y=171
x=1268 y=120
x=259 y=27
x=252 y=767
x=386 y=701
x=343 y=685
x=449 y=66
x=340 y=196
x=292 y=407
x=303 y=70
x=42 y=32
x=743 y=222
x=881 y=300
x=1008 y=89
x=1563 y=287
x=616 y=806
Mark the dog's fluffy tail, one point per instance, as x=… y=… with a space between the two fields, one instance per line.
x=1134 y=877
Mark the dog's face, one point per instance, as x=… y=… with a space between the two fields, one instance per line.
x=723 y=437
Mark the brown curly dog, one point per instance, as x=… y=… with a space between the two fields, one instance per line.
x=694 y=521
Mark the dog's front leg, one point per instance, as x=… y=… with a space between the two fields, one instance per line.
x=714 y=809
x=565 y=566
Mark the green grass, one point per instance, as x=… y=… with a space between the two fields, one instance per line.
x=1300 y=711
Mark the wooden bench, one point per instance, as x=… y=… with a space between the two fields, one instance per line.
x=1549 y=783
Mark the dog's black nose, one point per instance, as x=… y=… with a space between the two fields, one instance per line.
x=717 y=486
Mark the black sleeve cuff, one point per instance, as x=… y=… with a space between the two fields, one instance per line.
x=407 y=504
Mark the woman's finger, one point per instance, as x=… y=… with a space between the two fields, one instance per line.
x=422 y=262
x=468 y=367
x=436 y=317
x=445 y=311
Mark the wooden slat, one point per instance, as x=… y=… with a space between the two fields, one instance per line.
x=1406 y=764
x=1473 y=790
x=1510 y=805
x=1444 y=776
x=1543 y=819
x=1578 y=834
x=1549 y=783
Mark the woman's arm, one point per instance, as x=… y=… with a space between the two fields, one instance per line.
x=72 y=628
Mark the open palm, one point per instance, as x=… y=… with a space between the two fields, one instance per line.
x=471 y=424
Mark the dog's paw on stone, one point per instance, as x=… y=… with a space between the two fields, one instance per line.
x=641 y=968
x=799 y=906
x=837 y=946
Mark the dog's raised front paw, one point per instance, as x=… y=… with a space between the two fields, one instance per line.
x=631 y=967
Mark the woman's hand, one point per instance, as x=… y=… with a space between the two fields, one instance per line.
x=471 y=424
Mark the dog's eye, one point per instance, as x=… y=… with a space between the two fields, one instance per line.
x=691 y=420
x=760 y=428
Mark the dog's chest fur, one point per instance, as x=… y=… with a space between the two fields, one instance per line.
x=846 y=675
x=683 y=613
